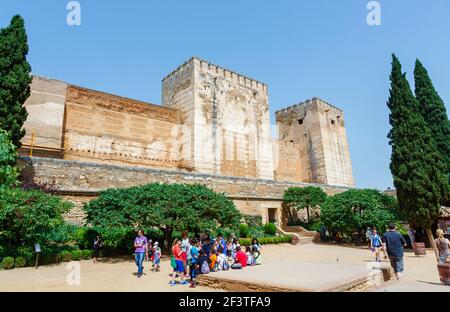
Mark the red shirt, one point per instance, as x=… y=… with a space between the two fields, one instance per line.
x=177 y=252
x=241 y=257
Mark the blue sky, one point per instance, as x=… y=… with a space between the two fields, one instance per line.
x=300 y=48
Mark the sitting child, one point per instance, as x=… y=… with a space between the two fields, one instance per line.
x=213 y=258
x=203 y=263
x=250 y=257
x=222 y=262
x=257 y=256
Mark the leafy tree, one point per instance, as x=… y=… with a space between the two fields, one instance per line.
x=15 y=78
x=8 y=160
x=168 y=207
x=416 y=165
x=354 y=210
x=305 y=197
x=28 y=217
x=433 y=111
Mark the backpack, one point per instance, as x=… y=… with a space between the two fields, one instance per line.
x=205 y=268
x=173 y=263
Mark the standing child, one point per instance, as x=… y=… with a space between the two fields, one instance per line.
x=156 y=257
x=375 y=244
x=179 y=268
x=193 y=269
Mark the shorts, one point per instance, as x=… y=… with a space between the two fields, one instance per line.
x=180 y=266
x=397 y=264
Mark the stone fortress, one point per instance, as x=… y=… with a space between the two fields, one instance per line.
x=213 y=127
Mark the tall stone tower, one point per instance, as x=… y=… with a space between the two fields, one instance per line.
x=224 y=120
x=316 y=132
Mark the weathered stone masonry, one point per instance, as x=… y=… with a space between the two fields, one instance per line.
x=213 y=127
x=79 y=182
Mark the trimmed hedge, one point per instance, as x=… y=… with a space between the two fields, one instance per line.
x=86 y=254
x=270 y=229
x=267 y=240
x=243 y=230
x=66 y=256
x=7 y=263
x=76 y=255
x=20 y=262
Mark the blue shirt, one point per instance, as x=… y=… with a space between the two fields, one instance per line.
x=394 y=243
x=376 y=240
x=207 y=249
x=194 y=254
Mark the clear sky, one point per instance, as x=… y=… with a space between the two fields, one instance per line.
x=300 y=48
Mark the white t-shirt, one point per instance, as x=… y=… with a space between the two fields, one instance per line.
x=221 y=259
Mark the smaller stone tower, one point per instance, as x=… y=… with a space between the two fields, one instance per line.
x=316 y=130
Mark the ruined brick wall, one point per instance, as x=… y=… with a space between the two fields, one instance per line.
x=319 y=129
x=45 y=108
x=226 y=116
x=101 y=127
x=251 y=196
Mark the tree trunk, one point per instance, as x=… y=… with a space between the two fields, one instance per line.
x=167 y=242
x=307 y=214
x=430 y=237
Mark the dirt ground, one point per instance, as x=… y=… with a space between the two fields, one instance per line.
x=120 y=274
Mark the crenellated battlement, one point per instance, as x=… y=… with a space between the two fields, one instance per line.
x=219 y=71
x=306 y=102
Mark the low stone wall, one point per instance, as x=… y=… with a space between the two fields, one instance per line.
x=82 y=181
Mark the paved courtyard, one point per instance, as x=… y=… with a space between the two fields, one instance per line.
x=307 y=267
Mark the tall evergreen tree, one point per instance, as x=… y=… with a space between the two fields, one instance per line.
x=433 y=111
x=416 y=165
x=15 y=78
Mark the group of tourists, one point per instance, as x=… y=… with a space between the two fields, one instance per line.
x=194 y=256
x=202 y=255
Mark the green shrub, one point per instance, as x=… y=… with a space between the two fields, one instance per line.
x=270 y=229
x=7 y=263
x=76 y=255
x=253 y=221
x=66 y=256
x=256 y=232
x=86 y=254
x=168 y=207
x=39 y=214
x=245 y=241
x=243 y=230
x=20 y=262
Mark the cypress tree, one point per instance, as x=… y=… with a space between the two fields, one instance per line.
x=433 y=111
x=15 y=78
x=416 y=165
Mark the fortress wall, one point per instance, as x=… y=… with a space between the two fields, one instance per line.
x=228 y=116
x=82 y=181
x=45 y=108
x=287 y=161
x=100 y=127
x=319 y=129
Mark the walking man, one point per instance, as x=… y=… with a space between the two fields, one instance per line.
x=140 y=245
x=393 y=243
